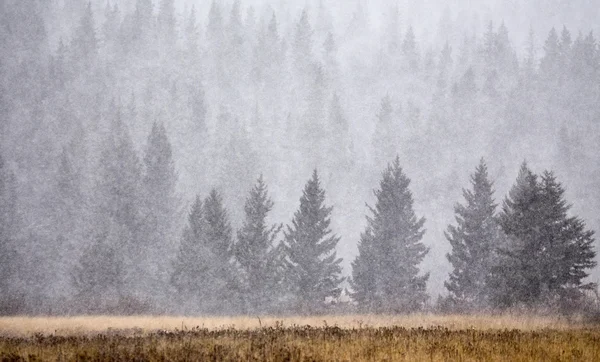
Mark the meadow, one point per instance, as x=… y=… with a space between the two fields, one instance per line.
x=323 y=338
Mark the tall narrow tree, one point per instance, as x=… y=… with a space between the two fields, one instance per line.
x=198 y=287
x=385 y=274
x=314 y=267
x=257 y=254
x=220 y=242
x=8 y=251
x=159 y=210
x=118 y=198
x=473 y=242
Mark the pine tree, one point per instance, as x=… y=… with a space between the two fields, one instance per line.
x=191 y=34
x=473 y=242
x=220 y=242
x=166 y=23
x=110 y=27
x=550 y=62
x=517 y=220
x=199 y=287
x=142 y=25
x=310 y=248
x=215 y=27
x=257 y=254
x=385 y=274
x=568 y=245
x=409 y=50
x=85 y=44
x=119 y=198
x=9 y=261
x=68 y=221
x=160 y=209
x=302 y=44
x=548 y=251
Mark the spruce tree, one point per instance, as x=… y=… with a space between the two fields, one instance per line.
x=314 y=269
x=409 y=50
x=166 y=23
x=119 y=198
x=191 y=35
x=220 y=242
x=159 y=211
x=473 y=240
x=198 y=287
x=8 y=226
x=568 y=245
x=85 y=43
x=258 y=256
x=513 y=274
x=385 y=274
x=550 y=62
x=548 y=252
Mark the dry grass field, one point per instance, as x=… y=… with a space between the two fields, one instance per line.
x=324 y=338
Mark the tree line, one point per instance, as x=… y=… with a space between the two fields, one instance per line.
x=530 y=254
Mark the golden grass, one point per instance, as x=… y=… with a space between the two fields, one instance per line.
x=88 y=325
x=313 y=344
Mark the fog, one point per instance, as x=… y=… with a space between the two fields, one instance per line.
x=278 y=89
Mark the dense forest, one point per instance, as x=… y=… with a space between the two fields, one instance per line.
x=167 y=157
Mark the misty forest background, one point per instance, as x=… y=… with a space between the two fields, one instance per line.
x=135 y=132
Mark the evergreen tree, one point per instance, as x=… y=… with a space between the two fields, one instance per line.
x=142 y=24
x=564 y=48
x=409 y=50
x=302 y=44
x=199 y=287
x=68 y=217
x=191 y=35
x=517 y=220
x=166 y=23
x=550 y=62
x=257 y=254
x=119 y=198
x=160 y=210
x=9 y=262
x=220 y=242
x=111 y=22
x=385 y=274
x=473 y=242
x=310 y=248
x=215 y=28
x=85 y=44
x=548 y=252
